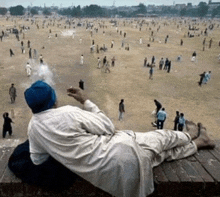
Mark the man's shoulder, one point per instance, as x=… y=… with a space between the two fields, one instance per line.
x=67 y=108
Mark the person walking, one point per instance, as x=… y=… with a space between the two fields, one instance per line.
x=194 y=56
x=206 y=78
x=81 y=59
x=176 y=121
x=113 y=61
x=7 y=125
x=161 y=63
x=121 y=110
x=168 y=66
x=30 y=54
x=112 y=43
x=28 y=69
x=97 y=49
x=153 y=60
x=81 y=84
x=11 y=52
x=99 y=63
x=158 y=107
x=181 y=42
x=145 y=61
x=107 y=67
x=140 y=40
x=161 y=117
x=181 y=122
x=28 y=43
x=104 y=61
x=41 y=59
x=22 y=50
x=151 y=71
x=12 y=93
x=210 y=43
x=201 y=78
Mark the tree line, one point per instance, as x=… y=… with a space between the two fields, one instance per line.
x=97 y=11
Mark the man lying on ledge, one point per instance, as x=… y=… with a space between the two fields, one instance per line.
x=86 y=143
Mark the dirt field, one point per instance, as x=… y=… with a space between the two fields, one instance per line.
x=129 y=79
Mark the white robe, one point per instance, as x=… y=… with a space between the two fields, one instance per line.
x=81 y=60
x=85 y=141
x=28 y=70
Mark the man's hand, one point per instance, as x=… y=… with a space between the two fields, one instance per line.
x=77 y=94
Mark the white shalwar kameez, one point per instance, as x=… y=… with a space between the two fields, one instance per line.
x=118 y=162
x=81 y=60
x=28 y=70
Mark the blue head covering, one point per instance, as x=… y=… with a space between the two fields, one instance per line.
x=40 y=96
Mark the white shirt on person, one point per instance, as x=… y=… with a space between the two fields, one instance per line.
x=85 y=141
x=161 y=115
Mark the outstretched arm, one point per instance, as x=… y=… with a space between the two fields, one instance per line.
x=95 y=122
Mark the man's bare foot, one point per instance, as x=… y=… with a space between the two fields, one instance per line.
x=192 y=129
x=203 y=141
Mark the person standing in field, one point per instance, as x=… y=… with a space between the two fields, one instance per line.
x=11 y=53
x=169 y=66
x=210 y=43
x=7 y=125
x=81 y=60
x=112 y=43
x=161 y=117
x=176 y=121
x=206 y=78
x=41 y=59
x=113 y=61
x=12 y=93
x=151 y=71
x=30 y=54
x=153 y=60
x=166 y=64
x=145 y=61
x=28 y=69
x=201 y=78
x=107 y=67
x=181 y=42
x=99 y=63
x=141 y=40
x=181 y=122
x=121 y=110
x=104 y=60
x=28 y=43
x=161 y=63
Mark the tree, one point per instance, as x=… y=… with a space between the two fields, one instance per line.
x=216 y=11
x=33 y=11
x=78 y=11
x=3 y=11
x=202 y=9
x=183 y=12
x=93 y=11
x=46 y=11
x=17 y=10
x=142 y=9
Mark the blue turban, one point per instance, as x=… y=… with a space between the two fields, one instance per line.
x=40 y=96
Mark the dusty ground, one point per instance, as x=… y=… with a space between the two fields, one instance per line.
x=177 y=90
